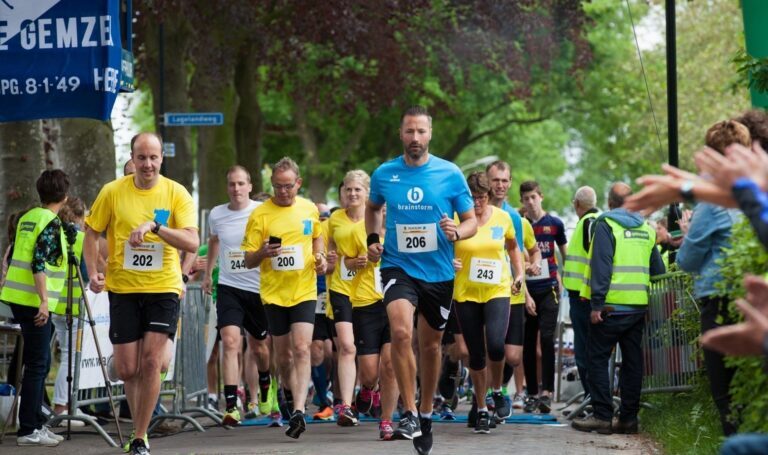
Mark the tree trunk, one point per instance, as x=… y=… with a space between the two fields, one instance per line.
x=87 y=154
x=249 y=123
x=215 y=144
x=22 y=159
x=313 y=179
x=176 y=35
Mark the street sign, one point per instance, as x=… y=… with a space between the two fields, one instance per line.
x=169 y=149
x=193 y=118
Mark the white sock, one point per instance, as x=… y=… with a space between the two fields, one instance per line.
x=425 y=415
x=485 y=409
x=212 y=396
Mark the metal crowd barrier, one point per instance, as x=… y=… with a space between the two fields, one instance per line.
x=669 y=364
x=188 y=383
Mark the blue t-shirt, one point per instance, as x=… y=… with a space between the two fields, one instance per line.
x=549 y=232
x=417 y=197
x=517 y=222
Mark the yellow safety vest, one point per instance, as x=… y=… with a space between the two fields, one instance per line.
x=576 y=260
x=630 y=278
x=19 y=286
x=61 y=307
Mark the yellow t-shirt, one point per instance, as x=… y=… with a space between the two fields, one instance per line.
x=290 y=278
x=485 y=273
x=366 y=287
x=529 y=241
x=328 y=307
x=120 y=208
x=342 y=230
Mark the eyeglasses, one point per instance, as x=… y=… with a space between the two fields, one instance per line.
x=286 y=187
x=479 y=197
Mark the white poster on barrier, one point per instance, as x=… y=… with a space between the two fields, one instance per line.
x=90 y=370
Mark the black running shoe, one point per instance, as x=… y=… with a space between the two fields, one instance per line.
x=409 y=427
x=531 y=404
x=423 y=443
x=483 y=424
x=296 y=425
x=545 y=404
x=472 y=416
x=500 y=405
x=139 y=447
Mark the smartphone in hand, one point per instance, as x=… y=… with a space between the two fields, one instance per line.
x=275 y=240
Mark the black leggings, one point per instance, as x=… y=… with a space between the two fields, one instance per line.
x=546 y=322
x=712 y=309
x=484 y=324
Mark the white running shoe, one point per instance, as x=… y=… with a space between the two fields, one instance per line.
x=36 y=438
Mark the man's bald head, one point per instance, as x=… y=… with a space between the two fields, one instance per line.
x=619 y=191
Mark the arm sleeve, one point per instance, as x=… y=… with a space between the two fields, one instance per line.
x=529 y=238
x=698 y=242
x=184 y=214
x=561 y=239
x=101 y=211
x=254 y=234
x=589 y=227
x=657 y=264
x=47 y=247
x=754 y=203
x=601 y=264
x=463 y=201
x=375 y=193
x=212 y=222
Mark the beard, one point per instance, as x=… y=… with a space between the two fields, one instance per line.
x=416 y=151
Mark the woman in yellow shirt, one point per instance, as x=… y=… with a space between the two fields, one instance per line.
x=482 y=291
x=341 y=240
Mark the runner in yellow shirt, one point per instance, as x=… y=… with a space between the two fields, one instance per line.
x=342 y=243
x=148 y=218
x=378 y=387
x=284 y=238
x=482 y=290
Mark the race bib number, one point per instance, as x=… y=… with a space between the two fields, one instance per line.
x=236 y=262
x=321 y=302
x=291 y=258
x=147 y=257
x=544 y=274
x=416 y=238
x=377 y=280
x=346 y=274
x=486 y=271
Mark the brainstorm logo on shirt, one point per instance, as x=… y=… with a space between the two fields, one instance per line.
x=496 y=232
x=161 y=216
x=307 y=226
x=415 y=195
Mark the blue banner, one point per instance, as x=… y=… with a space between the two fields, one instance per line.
x=59 y=58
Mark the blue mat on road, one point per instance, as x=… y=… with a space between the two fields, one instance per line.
x=530 y=419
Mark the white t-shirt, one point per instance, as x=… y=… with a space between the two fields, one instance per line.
x=229 y=226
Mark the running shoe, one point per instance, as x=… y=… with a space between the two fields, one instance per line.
x=324 y=414
x=423 y=443
x=409 y=426
x=364 y=400
x=127 y=444
x=376 y=407
x=531 y=404
x=518 y=402
x=47 y=430
x=36 y=438
x=213 y=403
x=275 y=419
x=265 y=407
x=483 y=424
x=500 y=405
x=386 y=432
x=489 y=403
x=139 y=447
x=253 y=411
x=346 y=417
x=296 y=425
x=545 y=404
x=231 y=417
x=446 y=413
x=472 y=416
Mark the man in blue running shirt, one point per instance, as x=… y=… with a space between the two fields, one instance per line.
x=422 y=193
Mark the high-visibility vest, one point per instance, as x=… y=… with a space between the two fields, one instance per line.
x=576 y=260
x=630 y=278
x=19 y=285
x=61 y=307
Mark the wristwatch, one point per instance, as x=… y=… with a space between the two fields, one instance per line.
x=185 y=278
x=686 y=191
x=156 y=227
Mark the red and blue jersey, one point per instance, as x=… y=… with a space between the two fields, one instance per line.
x=549 y=232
